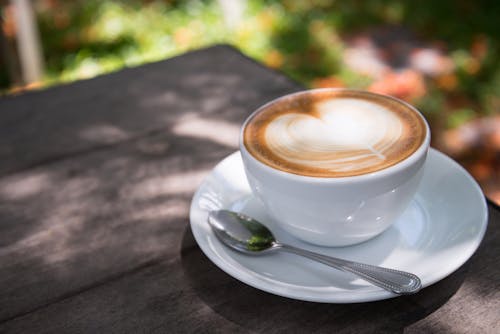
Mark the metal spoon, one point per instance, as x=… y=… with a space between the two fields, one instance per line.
x=249 y=236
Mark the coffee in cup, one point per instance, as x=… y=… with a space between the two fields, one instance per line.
x=333 y=133
x=332 y=166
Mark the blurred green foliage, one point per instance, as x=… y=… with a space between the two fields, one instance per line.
x=85 y=38
x=303 y=38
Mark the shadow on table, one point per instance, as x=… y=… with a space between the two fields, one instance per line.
x=260 y=311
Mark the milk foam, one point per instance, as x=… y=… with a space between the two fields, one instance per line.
x=341 y=135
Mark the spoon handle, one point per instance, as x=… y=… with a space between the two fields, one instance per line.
x=396 y=281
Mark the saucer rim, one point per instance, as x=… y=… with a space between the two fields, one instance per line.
x=346 y=296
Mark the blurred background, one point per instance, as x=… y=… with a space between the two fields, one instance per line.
x=441 y=56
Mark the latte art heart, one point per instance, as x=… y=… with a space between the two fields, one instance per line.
x=334 y=134
x=344 y=135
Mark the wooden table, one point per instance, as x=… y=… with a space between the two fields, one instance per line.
x=96 y=178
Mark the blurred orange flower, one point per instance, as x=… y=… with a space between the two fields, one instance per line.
x=472 y=66
x=327 y=82
x=183 y=37
x=266 y=19
x=447 y=82
x=479 y=47
x=407 y=85
x=274 y=59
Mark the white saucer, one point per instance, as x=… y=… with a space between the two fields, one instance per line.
x=441 y=229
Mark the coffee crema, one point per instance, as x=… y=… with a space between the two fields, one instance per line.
x=333 y=133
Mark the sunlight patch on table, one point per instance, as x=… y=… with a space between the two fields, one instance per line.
x=171 y=209
x=103 y=133
x=221 y=132
x=22 y=186
x=172 y=184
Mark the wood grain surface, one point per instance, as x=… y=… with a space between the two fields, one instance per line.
x=96 y=180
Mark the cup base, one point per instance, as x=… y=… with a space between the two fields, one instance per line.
x=329 y=240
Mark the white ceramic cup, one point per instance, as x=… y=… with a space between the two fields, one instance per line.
x=336 y=211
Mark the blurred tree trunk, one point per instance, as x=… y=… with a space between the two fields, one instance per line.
x=28 y=41
x=232 y=11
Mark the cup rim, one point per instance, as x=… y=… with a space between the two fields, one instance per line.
x=399 y=166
